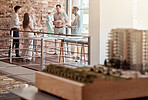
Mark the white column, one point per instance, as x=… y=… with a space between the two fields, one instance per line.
x=94 y=31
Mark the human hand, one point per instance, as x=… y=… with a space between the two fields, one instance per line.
x=69 y=26
x=59 y=23
x=54 y=22
x=62 y=26
x=20 y=23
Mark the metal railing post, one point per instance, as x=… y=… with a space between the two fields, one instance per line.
x=11 y=45
x=89 y=46
x=42 y=54
x=34 y=49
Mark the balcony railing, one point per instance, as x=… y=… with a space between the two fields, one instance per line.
x=47 y=48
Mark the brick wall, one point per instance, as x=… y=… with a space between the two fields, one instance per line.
x=41 y=9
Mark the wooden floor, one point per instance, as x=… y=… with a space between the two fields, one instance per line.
x=27 y=64
x=69 y=62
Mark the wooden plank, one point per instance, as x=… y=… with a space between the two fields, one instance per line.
x=59 y=86
x=116 y=90
x=100 y=89
x=61 y=52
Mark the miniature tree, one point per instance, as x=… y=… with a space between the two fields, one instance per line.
x=105 y=62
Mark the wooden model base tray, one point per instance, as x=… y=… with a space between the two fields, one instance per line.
x=99 y=90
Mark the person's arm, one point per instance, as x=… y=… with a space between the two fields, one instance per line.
x=76 y=28
x=54 y=20
x=66 y=20
x=78 y=23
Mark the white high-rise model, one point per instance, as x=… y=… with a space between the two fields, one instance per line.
x=130 y=45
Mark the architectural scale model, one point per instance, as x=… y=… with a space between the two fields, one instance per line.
x=91 y=83
x=84 y=74
x=130 y=48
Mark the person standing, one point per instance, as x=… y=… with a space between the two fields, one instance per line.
x=76 y=25
x=76 y=28
x=49 y=23
x=31 y=14
x=15 y=25
x=28 y=43
x=60 y=20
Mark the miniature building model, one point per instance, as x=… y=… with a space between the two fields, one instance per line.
x=130 y=45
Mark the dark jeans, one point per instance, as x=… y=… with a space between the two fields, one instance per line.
x=15 y=42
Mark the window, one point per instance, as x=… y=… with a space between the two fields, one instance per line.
x=84 y=13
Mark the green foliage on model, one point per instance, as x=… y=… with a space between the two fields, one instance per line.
x=83 y=74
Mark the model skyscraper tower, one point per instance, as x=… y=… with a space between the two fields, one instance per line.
x=129 y=45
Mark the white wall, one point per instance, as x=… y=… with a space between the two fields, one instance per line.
x=113 y=14
x=142 y=14
x=94 y=31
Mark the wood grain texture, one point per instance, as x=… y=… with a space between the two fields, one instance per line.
x=59 y=86
x=99 y=90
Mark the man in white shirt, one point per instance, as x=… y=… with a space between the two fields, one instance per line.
x=60 y=20
x=15 y=25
